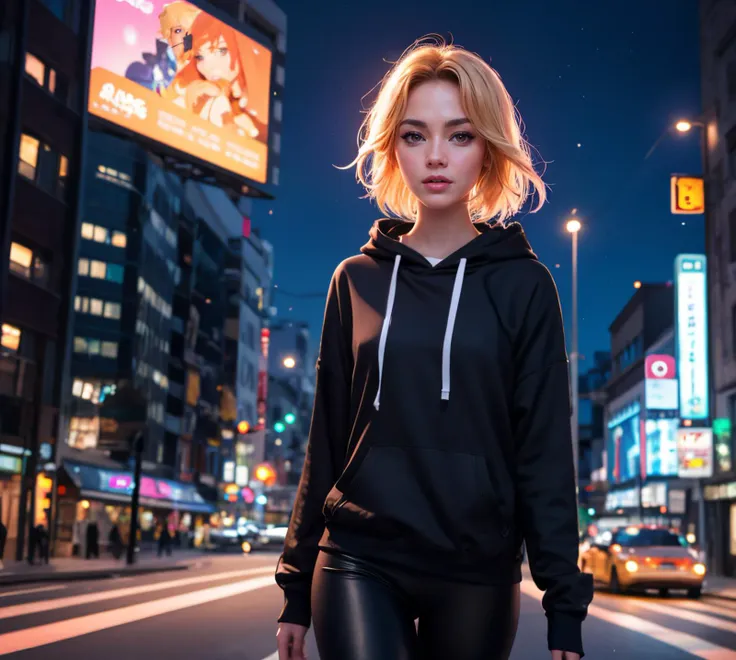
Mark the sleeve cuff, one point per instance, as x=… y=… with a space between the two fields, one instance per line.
x=297 y=609
x=564 y=633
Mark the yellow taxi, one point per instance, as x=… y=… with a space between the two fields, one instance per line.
x=642 y=557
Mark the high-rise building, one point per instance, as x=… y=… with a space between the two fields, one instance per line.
x=112 y=302
x=718 y=89
x=42 y=123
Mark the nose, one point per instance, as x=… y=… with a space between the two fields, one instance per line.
x=436 y=156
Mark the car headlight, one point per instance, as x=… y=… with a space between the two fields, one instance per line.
x=631 y=566
x=699 y=569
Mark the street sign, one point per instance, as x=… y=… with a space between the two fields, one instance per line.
x=694 y=453
x=687 y=194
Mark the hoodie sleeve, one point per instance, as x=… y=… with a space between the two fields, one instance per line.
x=325 y=454
x=545 y=477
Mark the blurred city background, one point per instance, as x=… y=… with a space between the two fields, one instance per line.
x=165 y=259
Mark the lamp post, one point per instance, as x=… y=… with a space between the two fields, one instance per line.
x=685 y=126
x=573 y=226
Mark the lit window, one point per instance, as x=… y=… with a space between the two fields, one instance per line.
x=35 y=69
x=63 y=175
x=98 y=269
x=95 y=307
x=83 y=267
x=77 y=303
x=21 y=258
x=88 y=230
x=85 y=305
x=110 y=349
x=100 y=234
x=28 y=157
x=52 y=81
x=93 y=346
x=10 y=337
x=112 y=310
x=80 y=345
x=119 y=239
x=77 y=387
x=87 y=391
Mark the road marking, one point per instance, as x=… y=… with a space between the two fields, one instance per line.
x=702 y=619
x=30 y=638
x=37 y=590
x=688 y=643
x=84 y=599
x=728 y=612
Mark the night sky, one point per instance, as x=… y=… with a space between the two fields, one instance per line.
x=597 y=83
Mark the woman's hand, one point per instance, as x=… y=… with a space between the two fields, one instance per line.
x=560 y=655
x=291 y=641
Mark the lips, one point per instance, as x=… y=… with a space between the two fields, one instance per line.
x=436 y=179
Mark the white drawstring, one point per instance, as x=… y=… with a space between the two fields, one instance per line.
x=447 y=345
x=384 y=328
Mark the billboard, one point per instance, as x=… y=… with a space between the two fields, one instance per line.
x=687 y=194
x=173 y=73
x=661 y=447
x=691 y=328
x=660 y=382
x=624 y=444
x=694 y=453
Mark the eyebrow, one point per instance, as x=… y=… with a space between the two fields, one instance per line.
x=421 y=124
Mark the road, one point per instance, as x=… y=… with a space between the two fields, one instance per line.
x=226 y=606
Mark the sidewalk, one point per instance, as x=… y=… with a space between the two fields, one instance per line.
x=719 y=587
x=74 y=568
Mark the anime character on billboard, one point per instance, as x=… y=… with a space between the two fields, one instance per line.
x=156 y=70
x=176 y=21
x=212 y=84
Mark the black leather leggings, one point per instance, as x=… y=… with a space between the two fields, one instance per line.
x=361 y=611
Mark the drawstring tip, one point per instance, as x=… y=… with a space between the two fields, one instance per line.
x=445 y=395
x=376 y=404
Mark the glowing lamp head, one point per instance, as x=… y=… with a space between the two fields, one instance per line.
x=573 y=226
x=683 y=126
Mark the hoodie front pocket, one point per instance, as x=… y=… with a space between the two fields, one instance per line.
x=422 y=499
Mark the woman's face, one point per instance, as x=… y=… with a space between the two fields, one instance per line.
x=214 y=62
x=435 y=140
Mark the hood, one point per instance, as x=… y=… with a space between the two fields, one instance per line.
x=495 y=243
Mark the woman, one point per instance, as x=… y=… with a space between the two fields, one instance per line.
x=440 y=438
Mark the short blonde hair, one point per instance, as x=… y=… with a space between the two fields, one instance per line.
x=508 y=176
x=177 y=13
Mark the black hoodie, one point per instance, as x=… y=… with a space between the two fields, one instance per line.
x=440 y=436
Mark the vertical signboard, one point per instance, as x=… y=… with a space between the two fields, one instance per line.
x=691 y=327
x=694 y=453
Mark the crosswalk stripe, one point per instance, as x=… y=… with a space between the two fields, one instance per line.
x=708 y=608
x=96 y=597
x=35 y=590
x=29 y=638
x=688 y=643
x=702 y=619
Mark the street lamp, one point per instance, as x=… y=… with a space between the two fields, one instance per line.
x=289 y=362
x=573 y=226
x=683 y=126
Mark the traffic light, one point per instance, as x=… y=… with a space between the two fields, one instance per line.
x=279 y=427
x=243 y=427
x=289 y=418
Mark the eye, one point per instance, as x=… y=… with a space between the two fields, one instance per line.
x=411 y=137
x=464 y=137
x=199 y=58
x=177 y=30
x=222 y=51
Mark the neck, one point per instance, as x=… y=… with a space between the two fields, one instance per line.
x=439 y=233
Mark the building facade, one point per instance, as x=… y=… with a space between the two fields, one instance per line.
x=718 y=90
x=43 y=48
